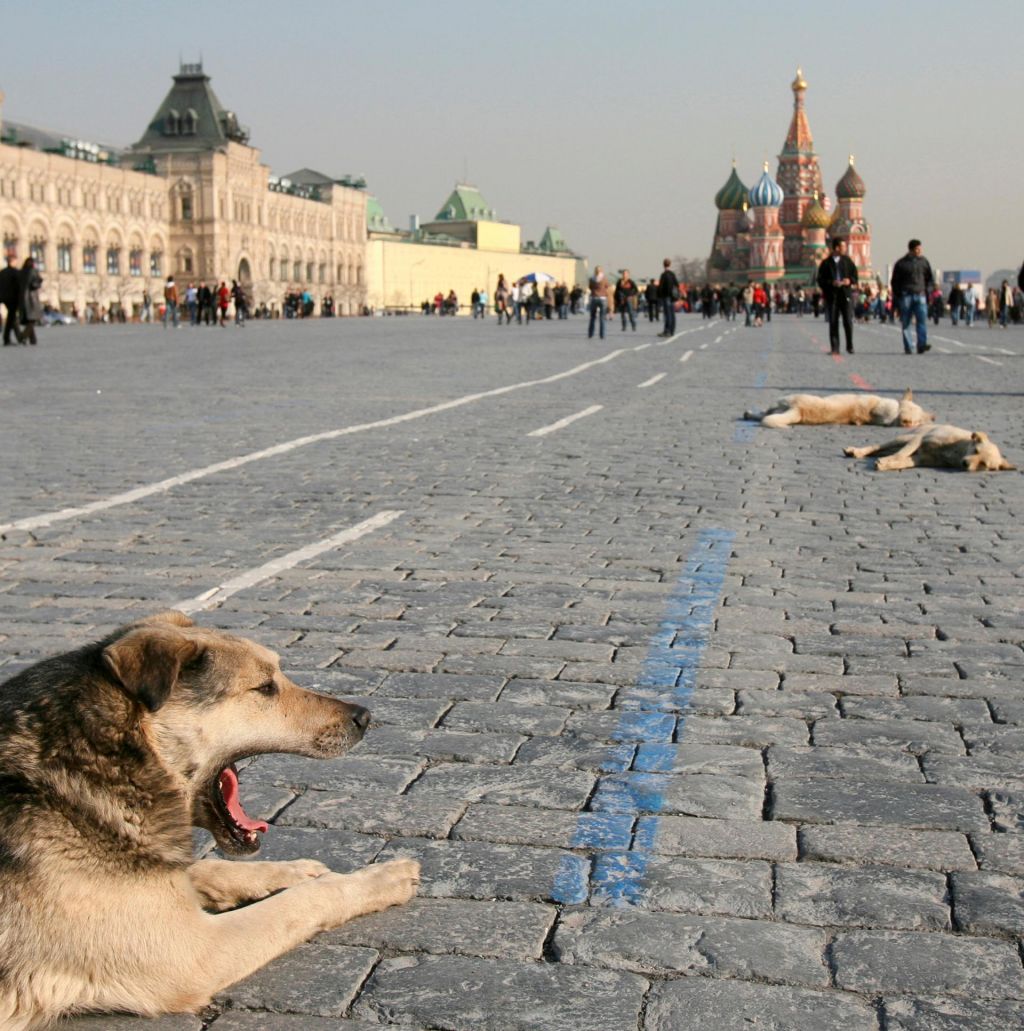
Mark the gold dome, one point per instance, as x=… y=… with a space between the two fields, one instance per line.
x=799 y=83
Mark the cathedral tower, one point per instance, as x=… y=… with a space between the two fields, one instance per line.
x=766 y=236
x=800 y=179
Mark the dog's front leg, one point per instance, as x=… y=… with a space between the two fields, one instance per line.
x=223 y=885
x=862 y=452
x=238 y=943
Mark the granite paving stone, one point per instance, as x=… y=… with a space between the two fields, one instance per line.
x=456 y=992
x=726 y=1005
x=832 y=896
x=887 y=846
x=508 y=930
x=1001 y=853
x=988 y=903
x=661 y=943
x=723 y=839
x=918 y=1014
x=929 y=964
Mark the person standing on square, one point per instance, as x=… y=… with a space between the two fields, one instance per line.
x=837 y=277
x=912 y=281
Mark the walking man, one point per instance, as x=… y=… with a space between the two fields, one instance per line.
x=668 y=294
x=837 y=276
x=912 y=282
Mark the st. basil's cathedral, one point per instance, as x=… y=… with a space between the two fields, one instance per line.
x=780 y=228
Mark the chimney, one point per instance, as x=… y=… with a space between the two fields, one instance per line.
x=414 y=223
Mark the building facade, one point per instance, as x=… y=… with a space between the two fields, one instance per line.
x=191 y=199
x=745 y=238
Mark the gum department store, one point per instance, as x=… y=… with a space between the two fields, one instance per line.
x=193 y=199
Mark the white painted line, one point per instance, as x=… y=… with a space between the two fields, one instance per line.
x=704 y=347
x=642 y=347
x=990 y=361
x=943 y=350
x=149 y=489
x=217 y=595
x=686 y=356
x=650 y=382
x=718 y=339
x=562 y=423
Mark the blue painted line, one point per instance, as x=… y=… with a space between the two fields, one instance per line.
x=653 y=714
x=745 y=431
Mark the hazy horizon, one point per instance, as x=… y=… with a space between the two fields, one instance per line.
x=615 y=127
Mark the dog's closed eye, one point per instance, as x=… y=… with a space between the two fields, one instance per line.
x=268 y=690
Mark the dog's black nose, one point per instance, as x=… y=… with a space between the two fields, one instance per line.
x=360 y=717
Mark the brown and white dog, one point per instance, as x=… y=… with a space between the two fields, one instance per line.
x=844 y=410
x=943 y=447
x=109 y=755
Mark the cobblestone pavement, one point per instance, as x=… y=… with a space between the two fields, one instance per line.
x=691 y=724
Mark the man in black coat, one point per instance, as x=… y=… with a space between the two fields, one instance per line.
x=668 y=294
x=10 y=298
x=837 y=276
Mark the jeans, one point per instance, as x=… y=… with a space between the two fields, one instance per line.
x=668 y=307
x=969 y=314
x=192 y=309
x=914 y=306
x=598 y=309
x=171 y=308
x=628 y=313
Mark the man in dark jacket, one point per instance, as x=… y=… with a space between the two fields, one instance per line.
x=10 y=298
x=837 y=276
x=912 y=282
x=668 y=294
x=625 y=299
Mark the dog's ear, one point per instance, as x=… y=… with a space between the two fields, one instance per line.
x=1007 y=466
x=979 y=437
x=147 y=662
x=908 y=394
x=171 y=616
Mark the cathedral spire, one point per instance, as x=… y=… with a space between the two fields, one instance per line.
x=799 y=139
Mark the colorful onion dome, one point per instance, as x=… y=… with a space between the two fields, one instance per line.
x=766 y=192
x=731 y=196
x=851 y=185
x=815 y=217
x=799 y=83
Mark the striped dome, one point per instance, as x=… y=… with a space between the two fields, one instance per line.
x=766 y=192
x=731 y=196
x=851 y=185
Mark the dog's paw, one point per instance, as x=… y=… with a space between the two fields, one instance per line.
x=296 y=871
x=388 y=884
x=850 y=452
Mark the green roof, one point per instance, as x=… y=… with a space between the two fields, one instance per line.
x=191 y=117
x=553 y=241
x=465 y=204
x=376 y=220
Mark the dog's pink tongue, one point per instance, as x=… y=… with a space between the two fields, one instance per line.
x=229 y=789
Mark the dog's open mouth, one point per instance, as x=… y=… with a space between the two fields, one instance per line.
x=241 y=828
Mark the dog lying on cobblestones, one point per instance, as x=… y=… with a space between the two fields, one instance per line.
x=844 y=410
x=943 y=447
x=109 y=755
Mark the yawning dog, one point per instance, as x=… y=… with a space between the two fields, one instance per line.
x=844 y=410
x=109 y=755
x=944 y=447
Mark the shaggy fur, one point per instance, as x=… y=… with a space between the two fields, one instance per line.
x=842 y=409
x=943 y=447
x=109 y=755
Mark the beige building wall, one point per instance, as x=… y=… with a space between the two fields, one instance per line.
x=106 y=234
x=75 y=215
x=403 y=274
x=238 y=228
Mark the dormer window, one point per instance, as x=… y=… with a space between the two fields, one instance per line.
x=172 y=123
x=190 y=123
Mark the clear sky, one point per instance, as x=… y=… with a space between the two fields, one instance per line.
x=616 y=122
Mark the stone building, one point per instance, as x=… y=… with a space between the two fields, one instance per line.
x=464 y=247
x=191 y=198
x=744 y=241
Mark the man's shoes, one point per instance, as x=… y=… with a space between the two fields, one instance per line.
x=835 y=350
x=923 y=348
x=849 y=350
